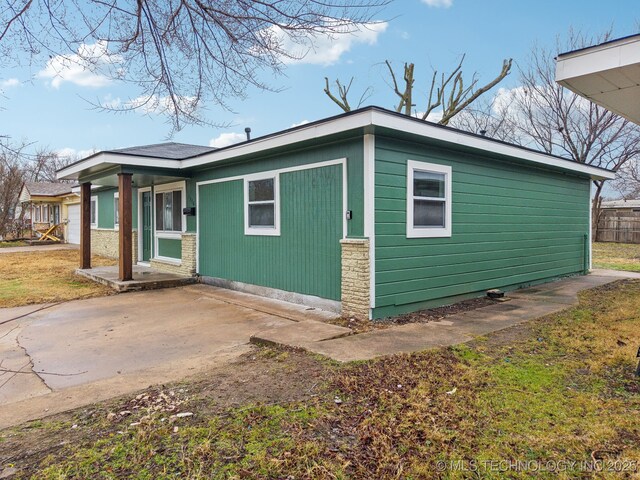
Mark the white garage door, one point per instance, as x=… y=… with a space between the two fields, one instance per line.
x=73 y=227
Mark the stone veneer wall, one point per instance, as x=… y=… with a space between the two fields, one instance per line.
x=187 y=264
x=105 y=242
x=356 y=275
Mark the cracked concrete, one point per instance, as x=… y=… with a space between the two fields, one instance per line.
x=90 y=350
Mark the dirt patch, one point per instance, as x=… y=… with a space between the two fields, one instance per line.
x=421 y=316
x=263 y=377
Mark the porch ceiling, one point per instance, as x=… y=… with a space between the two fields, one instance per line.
x=107 y=175
x=607 y=74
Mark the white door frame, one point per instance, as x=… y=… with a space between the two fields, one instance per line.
x=141 y=226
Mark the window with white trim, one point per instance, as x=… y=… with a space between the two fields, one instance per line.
x=261 y=206
x=169 y=211
x=428 y=200
x=116 y=210
x=94 y=211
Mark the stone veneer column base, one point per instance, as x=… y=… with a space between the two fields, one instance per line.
x=356 y=274
x=104 y=242
x=184 y=266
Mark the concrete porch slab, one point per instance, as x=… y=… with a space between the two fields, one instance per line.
x=144 y=278
x=299 y=334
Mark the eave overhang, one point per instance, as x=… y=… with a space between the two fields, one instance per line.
x=366 y=120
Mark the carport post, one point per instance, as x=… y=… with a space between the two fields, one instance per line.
x=85 y=225
x=125 y=234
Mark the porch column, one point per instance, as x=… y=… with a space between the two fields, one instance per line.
x=125 y=234
x=85 y=225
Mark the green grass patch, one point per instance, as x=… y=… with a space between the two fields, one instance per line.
x=558 y=389
x=617 y=256
x=16 y=243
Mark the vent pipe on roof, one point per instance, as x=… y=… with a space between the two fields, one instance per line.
x=248 y=132
x=483 y=133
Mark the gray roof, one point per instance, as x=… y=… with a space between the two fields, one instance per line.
x=47 y=189
x=170 y=150
x=621 y=204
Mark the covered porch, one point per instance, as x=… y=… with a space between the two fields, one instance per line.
x=132 y=230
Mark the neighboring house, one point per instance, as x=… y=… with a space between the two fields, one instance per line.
x=619 y=221
x=371 y=211
x=45 y=204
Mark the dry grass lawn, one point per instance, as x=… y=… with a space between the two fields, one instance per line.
x=555 y=398
x=617 y=256
x=45 y=276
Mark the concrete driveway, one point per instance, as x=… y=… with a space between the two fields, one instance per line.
x=79 y=352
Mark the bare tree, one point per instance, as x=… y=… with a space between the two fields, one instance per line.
x=341 y=99
x=627 y=182
x=12 y=177
x=544 y=115
x=487 y=117
x=447 y=93
x=179 y=53
x=18 y=166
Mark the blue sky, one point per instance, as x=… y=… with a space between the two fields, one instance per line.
x=55 y=112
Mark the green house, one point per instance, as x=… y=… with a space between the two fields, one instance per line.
x=371 y=213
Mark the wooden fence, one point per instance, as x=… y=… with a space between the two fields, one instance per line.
x=619 y=227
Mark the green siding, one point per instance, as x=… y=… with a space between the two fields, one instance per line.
x=305 y=258
x=351 y=149
x=512 y=226
x=106 y=207
x=170 y=247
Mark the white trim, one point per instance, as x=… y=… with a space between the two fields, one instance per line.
x=369 y=154
x=115 y=159
x=363 y=119
x=428 y=232
x=266 y=231
x=168 y=234
x=173 y=261
x=116 y=211
x=141 y=226
x=308 y=166
x=94 y=198
x=590 y=225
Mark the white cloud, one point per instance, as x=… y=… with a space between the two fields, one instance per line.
x=438 y=3
x=92 y=66
x=9 y=83
x=434 y=116
x=303 y=122
x=72 y=154
x=226 y=139
x=324 y=49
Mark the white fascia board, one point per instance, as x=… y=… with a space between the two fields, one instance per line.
x=366 y=118
x=458 y=138
x=104 y=158
x=311 y=132
x=599 y=58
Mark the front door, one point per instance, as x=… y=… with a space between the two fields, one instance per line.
x=147 y=233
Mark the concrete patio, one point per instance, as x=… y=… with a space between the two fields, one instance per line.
x=144 y=278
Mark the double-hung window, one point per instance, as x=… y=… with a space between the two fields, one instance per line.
x=169 y=211
x=261 y=206
x=428 y=200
